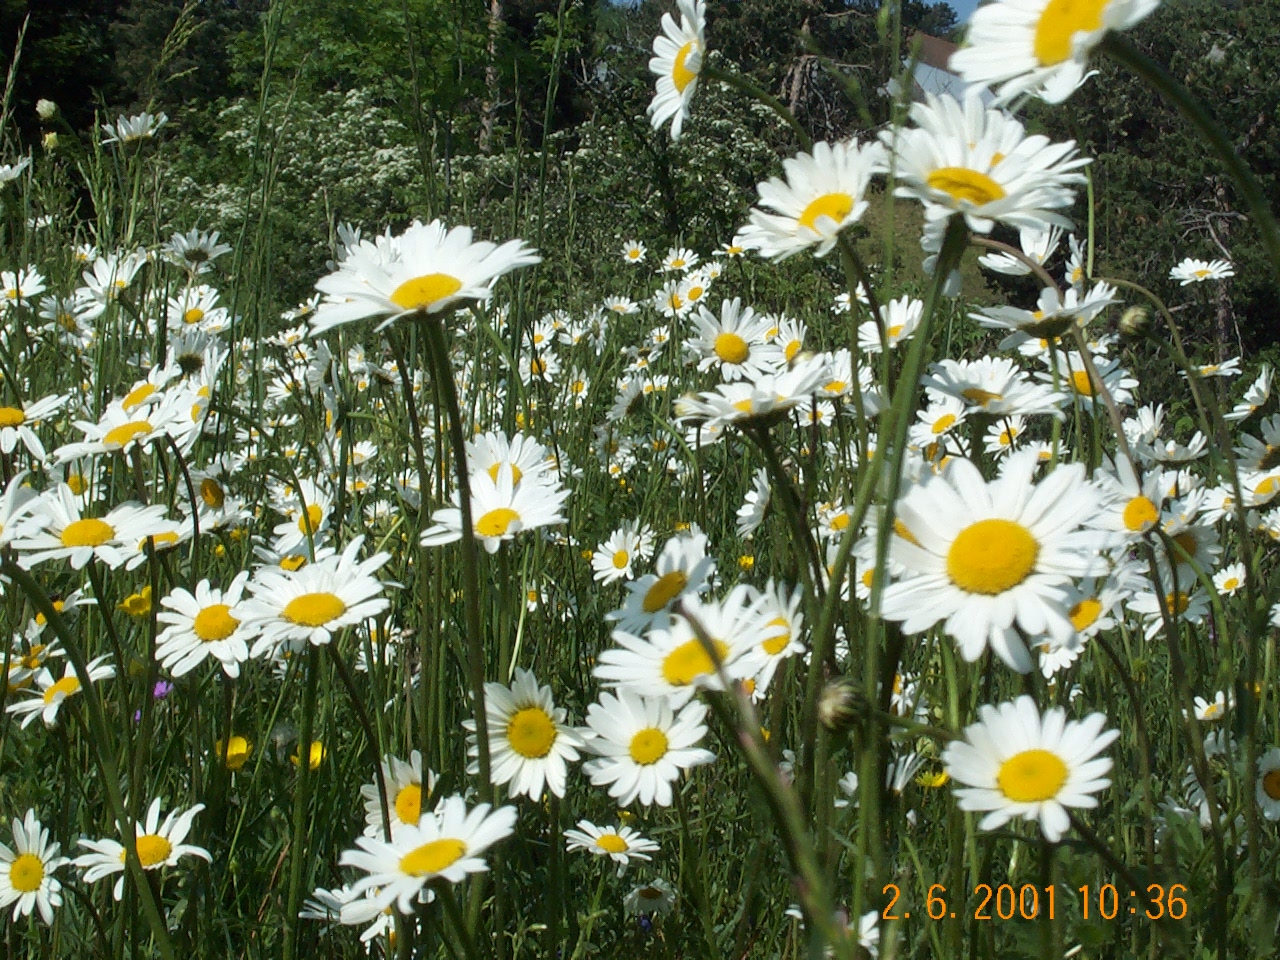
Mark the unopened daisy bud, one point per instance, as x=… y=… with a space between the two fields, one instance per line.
x=50 y=142
x=836 y=707
x=46 y=109
x=1134 y=322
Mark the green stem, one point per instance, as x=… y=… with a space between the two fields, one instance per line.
x=297 y=853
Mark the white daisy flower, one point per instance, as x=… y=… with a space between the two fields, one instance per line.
x=1230 y=579
x=429 y=268
x=1258 y=393
x=683 y=568
x=620 y=844
x=965 y=158
x=530 y=745
x=677 y=60
x=158 y=845
x=993 y=385
x=201 y=625
x=46 y=701
x=642 y=744
x=293 y=608
x=65 y=535
x=751 y=513
x=991 y=559
x=408 y=792
x=1039 y=47
x=1037 y=243
x=194 y=250
x=1191 y=271
x=143 y=126
x=633 y=251
x=767 y=395
x=21 y=509
x=1015 y=762
x=26 y=872
x=733 y=344
x=823 y=193
x=653 y=898
x=900 y=319
x=499 y=509
x=613 y=560
x=446 y=843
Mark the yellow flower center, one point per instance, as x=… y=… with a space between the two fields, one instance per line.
x=791 y=350
x=531 y=732
x=212 y=494
x=537 y=367
x=992 y=556
x=620 y=560
x=681 y=75
x=1082 y=383
x=89 y=532
x=26 y=873
x=902 y=530
x=214 y=622
x=648 y=746
x=313 y=516
x=119 y=436
x=137 y=604
x=422 y=293
x=153 y=849
x=1267 y=488
x=731 y=348
x=611 y=843
x=690 y=660
x=966 y=186
x=775 y=645
x=11 y=417
x=1187 y=541
x=496 y=522
x=409 y=804
x=1031 y=776
x=1062 y=20
x=837 y=206
x=67 y=686
x=137 y=395
x=979 y=397
x=942 y=423
x=293 y=563
x=516 y=473
x=1270 y=785
x=664 y=590
x=1177 y=603
x=432 y=857
x=1231 y=583
x=836 y=386
x=1139 y=514
x=314 y=609
x=894 y=331
x=1084 y=613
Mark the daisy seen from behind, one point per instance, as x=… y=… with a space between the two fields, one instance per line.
x=158 y=845
x=530 y=745
x=447 y=843
x=26 y=871
x=1015 y=762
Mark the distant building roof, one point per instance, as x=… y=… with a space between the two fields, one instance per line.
x=932 y=74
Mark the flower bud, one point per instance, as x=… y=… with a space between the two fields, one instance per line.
x=50 y=141
x=46 y=109
x=836 y=706
x=1134 y=322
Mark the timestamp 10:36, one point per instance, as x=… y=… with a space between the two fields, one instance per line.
x=1005 y=902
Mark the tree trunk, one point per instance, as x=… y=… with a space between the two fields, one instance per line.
x=489 y=109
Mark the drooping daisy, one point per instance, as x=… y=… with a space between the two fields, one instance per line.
x=613 y=559
x=1037 y=244
x=446 y=843
x=194 y=250
x=26 y=872
x=201 y=625
x=1040 y=47
x=48 y=699
x=529 y=742
x=754 y=504
x=1014 y=762
x=620 y=844
x=142 y=126
x=993 y=385
x=500 y=509
x=642 y=744
x=767 y=396
x=823 y=193
x=965 y=158
x=427 y=269
x=409 y=792
x=1255 y=397
x=652 y=899
x=677 y=60
x=900 y=318
x=309 y=605
x=990 y=559
x=683 y=568
x=158 y=845
x=1191 y=271
x=20 y=508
